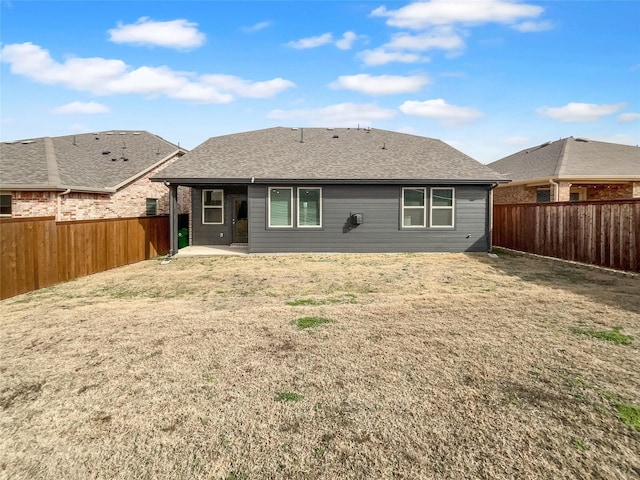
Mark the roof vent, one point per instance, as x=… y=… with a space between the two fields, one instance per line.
x=106 y=152
x=294 y=128
x=27 y=142
x=585 y=140
x=330 y=128
x=335 y=136
x=122 y=133
x=109 y=133
x=136 y=133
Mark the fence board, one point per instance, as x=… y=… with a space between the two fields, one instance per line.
x=605 y=233
x=38 y=252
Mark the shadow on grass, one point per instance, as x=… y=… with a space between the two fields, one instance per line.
x=612 y=288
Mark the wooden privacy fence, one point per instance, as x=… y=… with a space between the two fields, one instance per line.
x=38 y=252
x=605 y=233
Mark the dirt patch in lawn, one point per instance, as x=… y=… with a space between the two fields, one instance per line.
x=323 y=367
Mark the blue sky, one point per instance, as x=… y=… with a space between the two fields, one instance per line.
x=489 y=77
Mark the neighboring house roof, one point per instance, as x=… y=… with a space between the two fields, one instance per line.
x=317 y=155
x=91 y=162
x=572 y=159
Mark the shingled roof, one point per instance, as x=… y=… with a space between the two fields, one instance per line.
x=91 y=162
x=321 y=155
x=571 y=158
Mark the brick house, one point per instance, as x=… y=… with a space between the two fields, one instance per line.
x=87 y=176
x=570 y=169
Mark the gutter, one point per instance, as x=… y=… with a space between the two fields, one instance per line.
x=325 y=181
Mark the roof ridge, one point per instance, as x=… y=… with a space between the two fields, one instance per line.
x=52 y=162
x=561 y=159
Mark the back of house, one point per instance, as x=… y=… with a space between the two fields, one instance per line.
x=335 y=190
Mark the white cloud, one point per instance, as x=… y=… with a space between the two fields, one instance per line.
x=628 y=117
x=340 y=115
x=81 y=107
x=346 y=41
x=380 y=56
x=311 y=42
x=443 y=38
x=107 y=77
x=179 y=34
x=531 y=26
x=421 y=15
x=380 y=85
x=580 y=112
x=257 y=27
x=246 y=88
x=438 y=109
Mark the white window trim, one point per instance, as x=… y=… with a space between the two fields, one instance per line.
x=221 y=207
x=424 y=208
x=452 y=207
x=581 y=191
x=290 y=207
x=298 y=207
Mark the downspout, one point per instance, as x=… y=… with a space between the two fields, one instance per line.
x=556 y=190
x=490 y=219
x=173 y=220
x=60 y=195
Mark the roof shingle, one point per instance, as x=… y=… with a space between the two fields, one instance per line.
x=91 y=161
x=315 y=154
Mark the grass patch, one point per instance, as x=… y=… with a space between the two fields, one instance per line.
x=630 y=415
x=614 y=335
x=303 y=301
x=311 y=322
x=289 y=397
x=579 y=443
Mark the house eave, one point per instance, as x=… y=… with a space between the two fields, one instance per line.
x=591 y=179
x=326 y=181
x=54 y=188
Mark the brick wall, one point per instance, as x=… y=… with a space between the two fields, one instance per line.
x=516 y=194
x=33 y=204
x=129 y=201
x=524 y=194
x=609 y=192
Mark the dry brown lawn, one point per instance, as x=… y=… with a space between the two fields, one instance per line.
x=443 y=366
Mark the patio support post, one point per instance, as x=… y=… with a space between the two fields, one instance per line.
x=173 y=219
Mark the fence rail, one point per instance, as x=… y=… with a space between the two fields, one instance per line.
x=38 y=252
x=604 y=233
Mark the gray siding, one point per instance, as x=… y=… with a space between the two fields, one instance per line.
x=207 y=234
x=380 y=231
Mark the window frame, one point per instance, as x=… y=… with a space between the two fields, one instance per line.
x=433 y=207
x=539 y=190
x=7 y=215
x=319 y=225
x=155 y=207
x=423 y=207
x=291 y=204
x=211 y=207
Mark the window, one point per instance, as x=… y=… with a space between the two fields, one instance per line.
x=309 y=207
x=577 y=194
x=413 y=207
x=5 y=205
x=152 y=206
x=442 y=207
x=212 y=207
x=543 y=195
x=280 y=207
